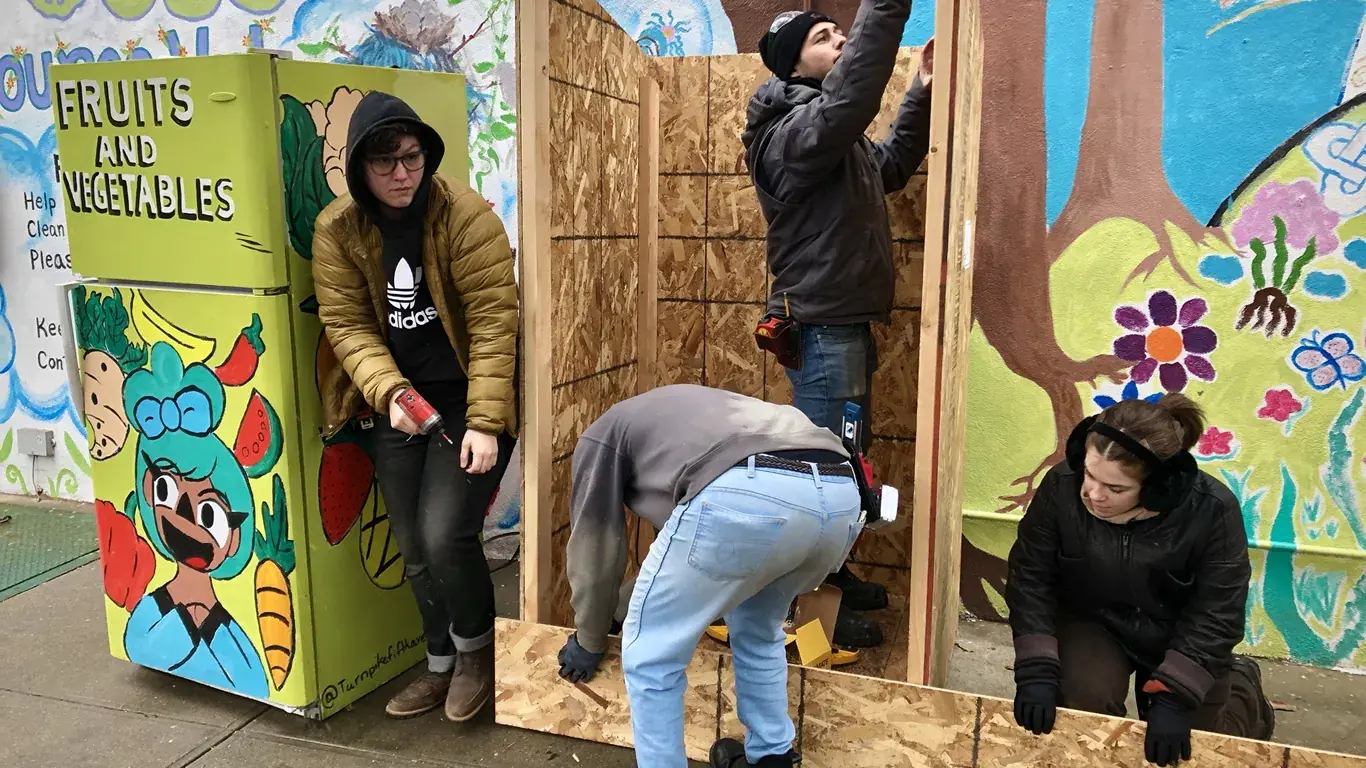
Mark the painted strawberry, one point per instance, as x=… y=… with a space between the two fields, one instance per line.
x=345 y=477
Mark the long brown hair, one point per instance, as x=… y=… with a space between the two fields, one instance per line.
x=1167 y=427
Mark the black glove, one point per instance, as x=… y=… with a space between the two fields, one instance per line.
x=576 y=664
x=1036 y=706
x=1169 y=731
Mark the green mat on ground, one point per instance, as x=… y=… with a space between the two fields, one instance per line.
x=39 y=544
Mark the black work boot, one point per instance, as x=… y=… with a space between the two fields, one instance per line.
x=1248 y=701
x=855 y=631
x=729 y=753
x=858 y=594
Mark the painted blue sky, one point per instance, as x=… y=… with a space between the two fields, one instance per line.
x=1231 y=98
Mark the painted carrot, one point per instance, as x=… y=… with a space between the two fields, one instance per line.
x=274 y=603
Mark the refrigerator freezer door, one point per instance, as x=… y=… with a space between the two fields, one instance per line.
x=194 y=453
x=170 y=170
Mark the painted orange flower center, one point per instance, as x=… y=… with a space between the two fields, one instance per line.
x=1164 y=345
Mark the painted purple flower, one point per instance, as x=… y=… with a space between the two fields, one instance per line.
x=1166 y=340
x=1302 y=211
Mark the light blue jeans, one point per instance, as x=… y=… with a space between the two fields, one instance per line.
x=743 y=548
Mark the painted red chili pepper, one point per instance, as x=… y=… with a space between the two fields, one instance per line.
x=126 y=557
x=244 y=357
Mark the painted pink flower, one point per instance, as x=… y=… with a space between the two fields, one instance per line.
x=1215 y=442
x=1299 y=206
x=1168 y=340
x=1279 y=404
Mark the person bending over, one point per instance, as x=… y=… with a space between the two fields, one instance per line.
x=1131 y=561
x=754 y=505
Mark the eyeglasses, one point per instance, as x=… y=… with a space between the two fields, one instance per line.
x=387 y=164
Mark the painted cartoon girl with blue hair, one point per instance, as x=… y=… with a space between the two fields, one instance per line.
x=195 y=505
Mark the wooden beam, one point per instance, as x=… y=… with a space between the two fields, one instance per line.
x=647 y=266
x=533 y=195
x=955 y=329
x=923 y=502
x=843 y=721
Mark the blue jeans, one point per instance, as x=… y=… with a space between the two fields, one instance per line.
x=838 y=362
x=743 y=548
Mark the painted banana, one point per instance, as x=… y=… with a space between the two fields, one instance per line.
x=154 y=327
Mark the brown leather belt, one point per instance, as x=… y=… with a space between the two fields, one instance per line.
x=826 y=468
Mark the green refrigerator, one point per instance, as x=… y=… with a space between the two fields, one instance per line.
x=238 y=550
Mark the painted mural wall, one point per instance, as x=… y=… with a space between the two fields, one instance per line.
x=1171 y=200
x=472 y=37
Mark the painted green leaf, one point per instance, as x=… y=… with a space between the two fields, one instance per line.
x=313 y=49
x=7 y=445
x=483 y=66
x=77 y=455
x=500 y=131
x=306 y=190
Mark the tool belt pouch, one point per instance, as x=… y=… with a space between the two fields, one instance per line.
x=782 y=337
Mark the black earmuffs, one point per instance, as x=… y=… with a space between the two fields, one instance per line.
x=1168 y=481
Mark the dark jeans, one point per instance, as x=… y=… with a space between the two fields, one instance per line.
x=436 y=512
x=838 y=362
x=1095 y=678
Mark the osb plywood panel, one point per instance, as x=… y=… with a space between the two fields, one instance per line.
x=561 y=475
x=616 y=385
x=619 y=262
x=591 y=6
x=575 y=158
x=732 y=83
x=1083 y=740
x=576 y=42
x=572 y=404
x=908 y=260
x=681 y=267
x=850 y=721
x=529 y=693
x=681 y=325
x=895 y=381
x=737 y=271
x=730 y=717
x=557 y=586
x=682 y=113
x=682 y=205
x=733 y=361
x=576 y=287
x=625 y=63
x=620 y=166
x=777 y=386
x=1305 y=758
x=906 y=213
x=733 y=208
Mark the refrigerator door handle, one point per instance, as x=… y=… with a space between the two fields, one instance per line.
x=70 y=345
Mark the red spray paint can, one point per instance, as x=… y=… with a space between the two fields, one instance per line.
x=426 y=417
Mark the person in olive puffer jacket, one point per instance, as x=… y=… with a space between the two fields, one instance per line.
x=1131 y=561
x=414 y=280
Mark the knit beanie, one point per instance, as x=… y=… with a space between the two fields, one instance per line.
x=781 y=47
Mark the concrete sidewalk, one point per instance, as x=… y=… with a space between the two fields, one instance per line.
x=64 y=701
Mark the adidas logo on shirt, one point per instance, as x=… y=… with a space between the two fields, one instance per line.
x=403 y=289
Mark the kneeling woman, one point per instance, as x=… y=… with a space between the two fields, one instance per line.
x=1132 y=561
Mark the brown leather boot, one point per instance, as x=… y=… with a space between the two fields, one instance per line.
x=421 y=695
x=472 y=684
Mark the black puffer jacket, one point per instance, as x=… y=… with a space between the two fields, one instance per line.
x=1171 y=589
x=822 y=184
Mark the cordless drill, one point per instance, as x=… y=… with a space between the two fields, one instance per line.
x=422 y=413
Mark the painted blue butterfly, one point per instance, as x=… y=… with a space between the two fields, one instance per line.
x=1328 y=361
x=1130 y=392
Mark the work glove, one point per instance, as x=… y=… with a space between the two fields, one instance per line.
x=1169 y=731
x=1036 y=706
x=576 y=664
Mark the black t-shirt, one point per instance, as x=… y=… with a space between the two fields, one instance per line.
x=417 y=339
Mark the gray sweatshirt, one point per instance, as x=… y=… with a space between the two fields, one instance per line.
x=652 y=453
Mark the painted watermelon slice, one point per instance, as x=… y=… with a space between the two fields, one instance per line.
x=260 y=439
x=345 y=477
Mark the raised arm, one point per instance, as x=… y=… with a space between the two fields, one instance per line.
x=905 y=148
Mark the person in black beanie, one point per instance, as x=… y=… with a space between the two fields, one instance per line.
x=822 y=185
